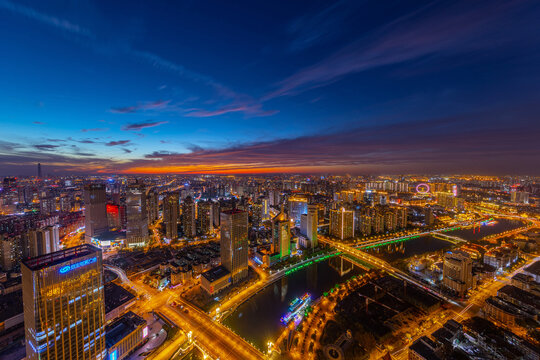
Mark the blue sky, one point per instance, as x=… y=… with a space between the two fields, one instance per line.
x=304 y=86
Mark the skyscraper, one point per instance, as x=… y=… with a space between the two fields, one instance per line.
x=205 y=218
x=64 y=312
x=312 y=224
x=137 y=222
x=281 y=234
x=457 y=271
x=39 y=174
x=171 y=204
x=152 y=205
x=188 y=217
x=297 y=207
x=342 y=223
x=95 y=211
x=43 y=241
x=234 y=243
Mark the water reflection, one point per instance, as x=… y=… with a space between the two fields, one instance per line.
x=257 y=320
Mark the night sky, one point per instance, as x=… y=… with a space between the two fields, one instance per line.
x=264 y=87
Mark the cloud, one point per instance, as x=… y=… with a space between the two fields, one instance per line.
x=38 y=122
x=127 y=151
x=94 y=129
x=153 y=105
x=447 y=29
x=46 y=147
x=54 y=21
x=486 y=142
x=251 y=110
x=116 y=143
x=144 y=125
x=323 y=25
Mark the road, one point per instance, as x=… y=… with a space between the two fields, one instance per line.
x=214 y=338
x=474 y=304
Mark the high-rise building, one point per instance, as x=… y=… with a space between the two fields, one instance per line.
x=188 y=217
x=95 y=211
x=64 y=312
x=171 y=205
x=297 y=207
x=39 y=174
x=137 y=222
x=47 y=203
x=265 y=215
x=519 y=197
x=205 y=217
x=429 y=219
x=43 y=241
x=152 y=205
x=312 y=224
x=234 y=243
x=457 y=271
x=11 y=252
x=281 y=234
x=342 y=223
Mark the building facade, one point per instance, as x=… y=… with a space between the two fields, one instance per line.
x=234 y=243
x=95 y=211
x=64 y=312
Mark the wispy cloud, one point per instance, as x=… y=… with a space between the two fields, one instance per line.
x=54 y=21
x=38 y=122
x=46 y=147
x=152 y=105
x=143 y=125
x=252 y=110
x=449 y=29
x=94 y=129
x=118 y=142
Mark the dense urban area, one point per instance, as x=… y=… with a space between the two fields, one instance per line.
x=269 y=267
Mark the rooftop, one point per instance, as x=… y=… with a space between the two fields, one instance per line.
x=116 y=296
x=122 y=327
x=59 y=257
x=215 y=273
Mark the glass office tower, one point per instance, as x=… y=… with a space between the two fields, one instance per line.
x=64 y=313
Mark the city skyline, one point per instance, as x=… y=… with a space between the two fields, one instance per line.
x=310 y=87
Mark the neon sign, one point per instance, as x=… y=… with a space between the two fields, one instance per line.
x=68 y=268
x=422 y=188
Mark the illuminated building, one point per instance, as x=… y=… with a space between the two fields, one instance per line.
x=124 y=335
x=297 y=207
x=342 y=223
x=152 y=205
x=137 y=222
x=429 y=219
x=171 y=204
x=205 y=217
x=365 y=225
x=10 y=251
x=457 y=272
x=43 y=241
x=449 y=201
x=116 y=216
x=188 y=217
x=39 y=173
x=234 y=243
x=63 y=299
x=265 y=215
x=519 y=197
x=95 y=211
x=47 y=203
x=281 y=234
x=215 y=280
x=308 y=225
